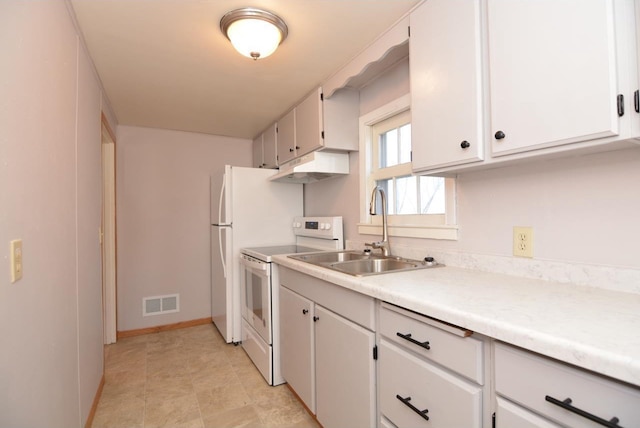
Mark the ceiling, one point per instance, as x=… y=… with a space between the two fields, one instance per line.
x=166 y=64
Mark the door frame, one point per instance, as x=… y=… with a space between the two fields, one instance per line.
x=108 y=233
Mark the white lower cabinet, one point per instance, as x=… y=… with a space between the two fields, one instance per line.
x=511 y=415
x=345 y=372
x=415 y=392
x=296 y=345
x=327 y=342
x=428 y=376
x=429 y=373
x=563 y=394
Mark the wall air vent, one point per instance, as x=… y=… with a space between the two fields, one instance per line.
x=158 y=305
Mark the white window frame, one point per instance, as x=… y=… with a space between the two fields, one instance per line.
x=424 y=226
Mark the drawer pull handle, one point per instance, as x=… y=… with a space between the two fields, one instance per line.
x=422 y=413
x=408 y=337
x=566 y=404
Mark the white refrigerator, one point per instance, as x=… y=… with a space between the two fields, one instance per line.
x=247 y=210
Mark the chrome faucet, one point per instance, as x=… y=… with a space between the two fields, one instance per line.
x=384 y=244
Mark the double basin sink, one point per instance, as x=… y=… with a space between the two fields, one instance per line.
x=363 y=264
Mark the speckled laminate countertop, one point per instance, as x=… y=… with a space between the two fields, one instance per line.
x=589 y=327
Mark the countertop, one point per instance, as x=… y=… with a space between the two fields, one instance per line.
x=589 y=327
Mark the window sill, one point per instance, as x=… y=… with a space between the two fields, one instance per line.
x=448 y=232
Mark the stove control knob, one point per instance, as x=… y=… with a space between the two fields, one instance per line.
x=327 y=226
x=322 y=226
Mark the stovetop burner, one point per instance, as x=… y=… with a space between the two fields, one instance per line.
x=265 y=253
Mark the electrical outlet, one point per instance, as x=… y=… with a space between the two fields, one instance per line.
x=16 y=259
x=523 y=241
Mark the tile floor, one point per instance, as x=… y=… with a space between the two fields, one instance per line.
x=190 y=378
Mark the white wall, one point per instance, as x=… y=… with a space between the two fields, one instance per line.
x=89 y=217
x=582 y=209
x=162 y=191
x=50 y=320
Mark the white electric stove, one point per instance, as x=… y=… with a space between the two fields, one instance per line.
x=258 y=281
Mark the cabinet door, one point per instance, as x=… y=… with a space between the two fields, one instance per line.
x=257 y=152
x=286 y=137
x=345 y=372
x=446 y=84
x=552 y=67
x=296 y=345
x=269 y=147
x=636 y=92
x=309 y=124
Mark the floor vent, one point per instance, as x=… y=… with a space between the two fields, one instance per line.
x=157 y=305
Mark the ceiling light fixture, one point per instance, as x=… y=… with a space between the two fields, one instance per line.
x=253 y=32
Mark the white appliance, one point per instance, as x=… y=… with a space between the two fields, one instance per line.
x=247 y=209
x=259 y=281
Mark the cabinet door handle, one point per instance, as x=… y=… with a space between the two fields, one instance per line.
x=408 y=337
x=297 y=147
x=315 y=318
x=305 y=311
x=422 y=413
x=620 y=105
x=465 y=144
x=291 y=150
x=636 y=100
x=566 y=404
x=499 y=135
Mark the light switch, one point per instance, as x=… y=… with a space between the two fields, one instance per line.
x=16 y=260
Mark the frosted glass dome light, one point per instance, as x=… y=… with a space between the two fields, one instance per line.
x=254 y=33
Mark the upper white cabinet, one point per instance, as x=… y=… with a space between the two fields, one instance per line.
x=553 y=73
x=446 y=83
x=550 y=76
x=264 y=148
x=309 y=123
x=257 y=152
x=319 y=123
x=286 y=143
x=269 y=146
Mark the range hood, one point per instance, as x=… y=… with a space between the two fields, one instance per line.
x=312 y=167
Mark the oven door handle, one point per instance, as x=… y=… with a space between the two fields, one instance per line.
x=254 y=265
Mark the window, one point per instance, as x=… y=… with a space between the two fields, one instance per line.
x=417 y=206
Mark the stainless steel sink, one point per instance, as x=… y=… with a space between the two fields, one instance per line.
x=362 y=264
x=331 y=257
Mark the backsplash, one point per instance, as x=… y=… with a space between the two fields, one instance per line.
x=607 y=277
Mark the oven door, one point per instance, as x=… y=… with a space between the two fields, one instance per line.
x=255 y=286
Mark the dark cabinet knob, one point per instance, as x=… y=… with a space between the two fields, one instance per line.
x=500 y=135
x=315 y=319
x=465 y=144
x=305 y=311
x=297 y=147
x=291 y=150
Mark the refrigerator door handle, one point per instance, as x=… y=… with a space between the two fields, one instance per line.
x=222 y=255
x=222 y=191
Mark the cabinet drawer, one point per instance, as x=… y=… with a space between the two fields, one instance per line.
x=528 y=379
x=450 y=400
x=357 y=307
x=510 y=415
x=460 y=354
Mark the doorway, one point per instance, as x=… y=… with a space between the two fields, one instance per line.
x=108 y=233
